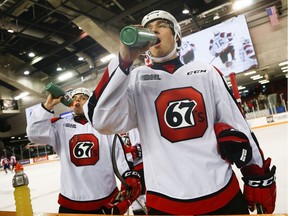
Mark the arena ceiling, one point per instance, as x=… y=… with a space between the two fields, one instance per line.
x=61 y=31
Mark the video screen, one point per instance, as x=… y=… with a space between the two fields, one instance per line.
x=228 y=46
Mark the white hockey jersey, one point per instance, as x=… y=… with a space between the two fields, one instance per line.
x=175 y=114
x=87 y=178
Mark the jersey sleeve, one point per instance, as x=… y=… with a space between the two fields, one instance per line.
x=111 y=108
x=39 y=129
x=228 y=112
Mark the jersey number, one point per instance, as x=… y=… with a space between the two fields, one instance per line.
x=84 y=149
x=181 y=114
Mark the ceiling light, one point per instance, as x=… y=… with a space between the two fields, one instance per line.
x=284 y=68
x=283 y=63
x=185 y=11
x=264 y=81
x=285 y=71
x=249 y=73
x=80 y=58
x=26 y=72
x=240 y=4
x=10 y=30
x=258 y=77
x=65 y=76
x=241 y=87
x=31 y=54
x=216 y=16
x=107 y=58
x=22 y=95
x=59 y=68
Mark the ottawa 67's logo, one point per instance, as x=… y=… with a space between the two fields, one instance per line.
x=181 y=114
x=84 y=149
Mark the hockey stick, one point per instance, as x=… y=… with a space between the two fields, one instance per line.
x=212 y=59
x=117 y=173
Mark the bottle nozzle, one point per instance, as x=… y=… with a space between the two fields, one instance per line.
x=18 y=167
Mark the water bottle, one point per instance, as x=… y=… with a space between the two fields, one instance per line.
x=137 y=37
x=22 y=192
x=56 y=91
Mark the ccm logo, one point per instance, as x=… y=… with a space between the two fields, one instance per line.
x=261 y=183
x=131 y=173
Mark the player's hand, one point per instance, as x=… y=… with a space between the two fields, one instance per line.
x=233 y=145
x=120 y=204
x=131 y=54
x=135 y=151
x=51 y=102
x=132 y=179
x=260 y=186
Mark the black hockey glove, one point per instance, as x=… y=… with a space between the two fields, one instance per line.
x=233 y=145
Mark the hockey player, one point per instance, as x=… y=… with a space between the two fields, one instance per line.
x=247 y=54
x=88 y=183
x=13 y=162
x=221 y=46
x=187 y=163
x=187 y=52
x=6 y=165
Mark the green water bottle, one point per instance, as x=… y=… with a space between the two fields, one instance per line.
x=56 y=91
x=137 y=37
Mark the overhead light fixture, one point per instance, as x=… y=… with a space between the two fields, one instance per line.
x=256 y=77
x=59 y=68
x=80 y=58
x=10 y=30
x=26 y=72
x=241 y=87
x=65 y=76
x=249 y=73
x=216 y=16
x=285 y=71
x=283 y=63
x=107 y=58
x=240 y=4
x=284 y=68
x=185 y=11
x=31 y=54
x=263 y=81
x=22 y=95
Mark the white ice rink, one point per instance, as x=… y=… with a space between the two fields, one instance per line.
x=44 y=178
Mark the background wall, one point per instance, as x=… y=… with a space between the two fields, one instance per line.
x=270 y=45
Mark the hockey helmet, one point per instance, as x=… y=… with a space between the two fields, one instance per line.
x=160 y=14
x=216 y=32
x=80 y=91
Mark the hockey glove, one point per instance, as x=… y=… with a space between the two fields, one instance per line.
x=132 y=179
x=135 y=151
x=126 y=196
x=233 y=145
x=260 y=186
